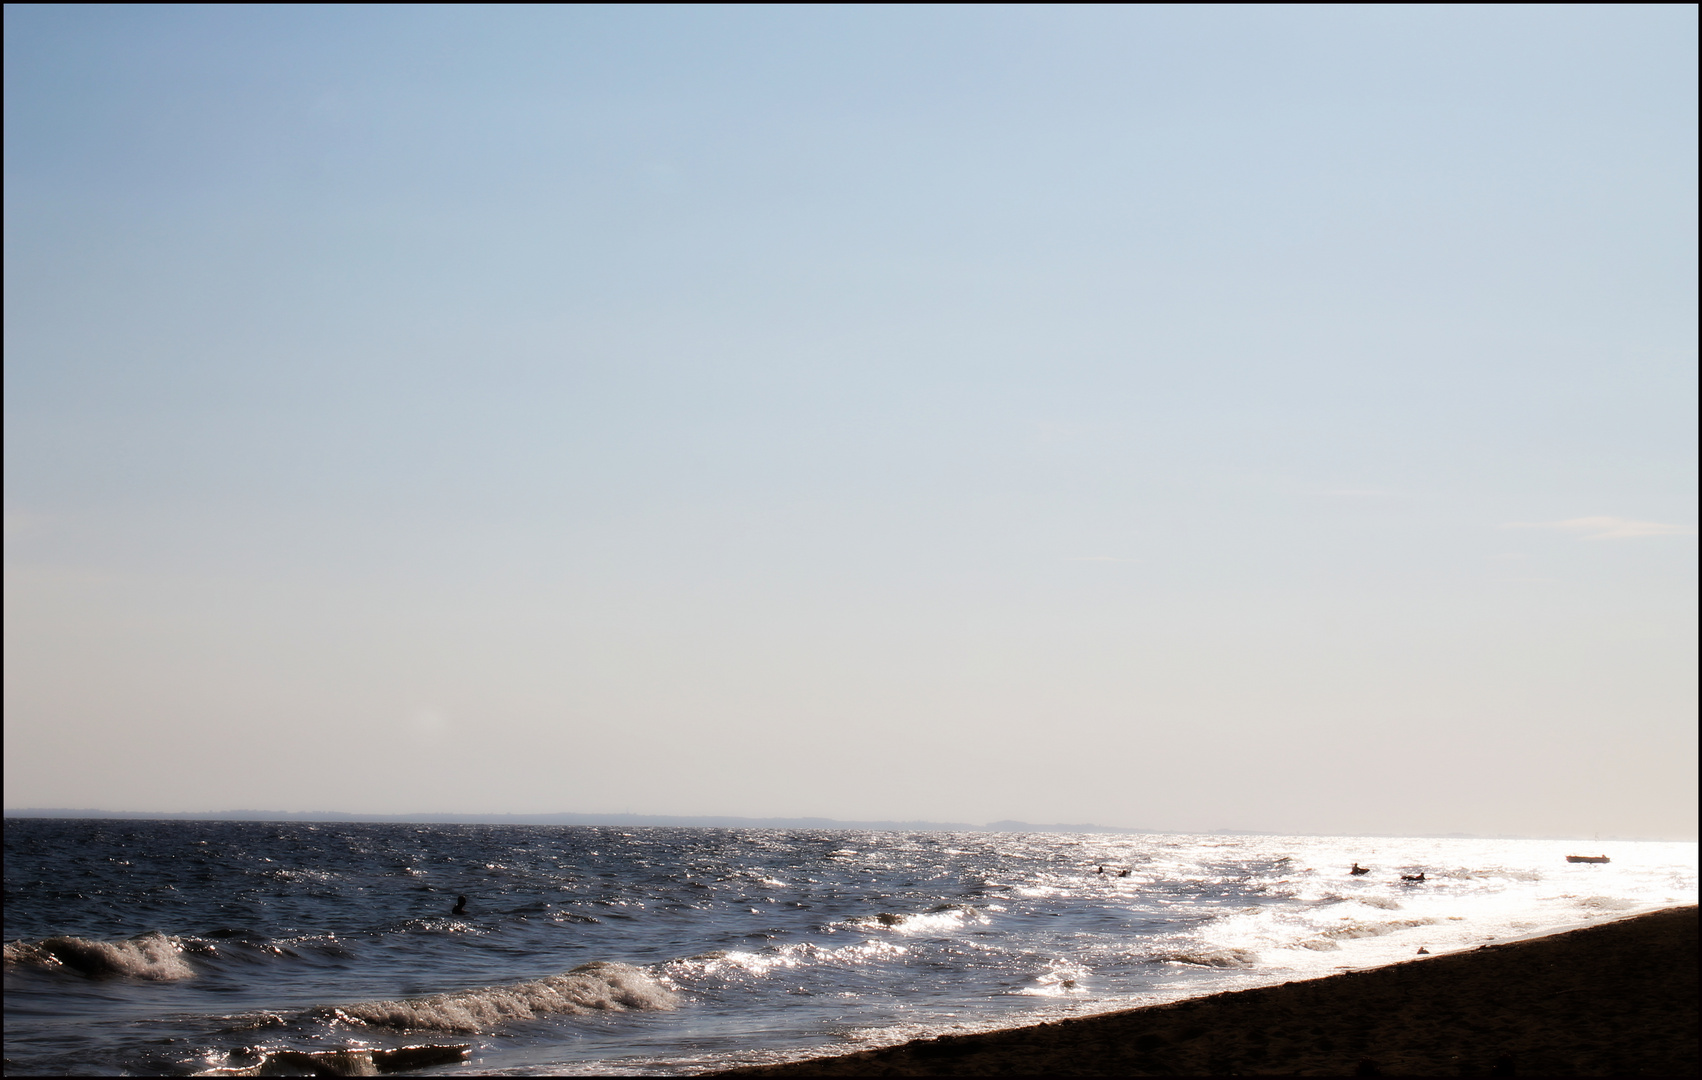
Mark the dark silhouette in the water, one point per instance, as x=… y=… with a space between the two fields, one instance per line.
x=1358 y=869
x=1418 y=877
x=460 y=906
x=1102 y=869
x=1124 y=874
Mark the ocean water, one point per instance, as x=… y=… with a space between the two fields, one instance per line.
x=148 y=947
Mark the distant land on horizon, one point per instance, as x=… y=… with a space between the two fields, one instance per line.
x=716 y=822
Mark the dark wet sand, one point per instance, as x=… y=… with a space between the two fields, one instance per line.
x=1613 y=1000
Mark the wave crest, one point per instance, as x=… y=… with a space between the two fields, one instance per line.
x=1328 y=940
x=943 y=918
x=594 y=987
x=154 y=956
x=1207 y=957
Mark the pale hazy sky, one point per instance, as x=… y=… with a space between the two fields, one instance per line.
x=1187 y=418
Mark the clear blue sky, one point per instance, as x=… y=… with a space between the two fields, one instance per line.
x=1180 y=417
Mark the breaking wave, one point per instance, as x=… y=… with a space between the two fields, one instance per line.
x=736 y=962
x=1060 y=978
x=154 y=956
x=349 y=1061
x=1211 y=958
x=594 y=987
x=1330 y=940
x=942 y=918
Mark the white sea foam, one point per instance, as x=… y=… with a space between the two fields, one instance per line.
x=594 y=987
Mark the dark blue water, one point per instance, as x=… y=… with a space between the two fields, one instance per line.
x=171 y=947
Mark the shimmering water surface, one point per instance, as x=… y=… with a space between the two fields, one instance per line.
x=164 y=947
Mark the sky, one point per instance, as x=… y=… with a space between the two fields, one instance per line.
x=1184 y=418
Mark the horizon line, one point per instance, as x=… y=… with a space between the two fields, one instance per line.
x=725 y=821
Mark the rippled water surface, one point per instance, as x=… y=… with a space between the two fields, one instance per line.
x=167 y=947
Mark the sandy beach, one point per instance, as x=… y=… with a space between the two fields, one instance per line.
x=1618 y=999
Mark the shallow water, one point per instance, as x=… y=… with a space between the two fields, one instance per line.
x=164 y=947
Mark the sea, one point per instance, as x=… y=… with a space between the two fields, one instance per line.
x=180 y=947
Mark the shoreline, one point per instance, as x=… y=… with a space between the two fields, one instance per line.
x=1608 y=999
